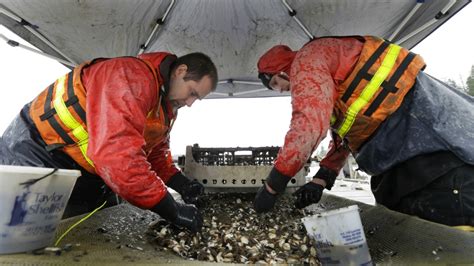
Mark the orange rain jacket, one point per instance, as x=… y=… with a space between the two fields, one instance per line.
x=128 y=123
x=320 y=74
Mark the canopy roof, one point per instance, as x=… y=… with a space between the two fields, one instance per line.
x=233 y=33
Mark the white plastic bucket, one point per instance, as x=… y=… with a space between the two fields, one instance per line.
x=339 y=237
x=29 y=214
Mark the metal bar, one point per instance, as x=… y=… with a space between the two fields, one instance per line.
x=302 y=26
x=246 y=82
x=256 y=83
x=10 y=14
x=448 y=6
x=157 y=25
x=405 y=20
x=439 y=16
x=17 y=44
x=249 y=92
x=220 y=93
x=238 y=81
x=36 y=33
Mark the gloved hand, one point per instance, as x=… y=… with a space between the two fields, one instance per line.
x=182 y=215
x=190 y=190
x=311 y=192
x=189 y=217
x=192 y=193
x=265 y=200
x=308 y=194
x=328 y=175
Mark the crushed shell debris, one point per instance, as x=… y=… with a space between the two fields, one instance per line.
x=234 y=233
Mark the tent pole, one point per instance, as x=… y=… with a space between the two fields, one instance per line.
x=249 y=92
x=405 y=20
x=17 y=44
x=219 y=93
x=292 y=13
x=234 y=81
x=256 y=83
x=238 y=81
x=159 y=22
x=232 y=94
x=439 y=16
x=29 y=27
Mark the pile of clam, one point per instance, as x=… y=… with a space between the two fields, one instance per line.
x=233 y=232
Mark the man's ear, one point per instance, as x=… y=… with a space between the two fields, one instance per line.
x=181 y=70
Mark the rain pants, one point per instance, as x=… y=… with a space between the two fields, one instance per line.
x=422 y=157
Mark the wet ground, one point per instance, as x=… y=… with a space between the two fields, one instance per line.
x=233 y=232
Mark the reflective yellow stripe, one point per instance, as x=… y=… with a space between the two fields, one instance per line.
x=68 y=120
x=466 y=228
x=333 y=119
x=370 y=90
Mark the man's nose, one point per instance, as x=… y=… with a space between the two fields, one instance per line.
x=190 y=100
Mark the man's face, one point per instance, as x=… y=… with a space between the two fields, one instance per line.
x=280 y=82
x=186 y=92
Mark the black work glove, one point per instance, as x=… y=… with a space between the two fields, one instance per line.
x=190 y=190
x=264 y=200
x=308 y=194
x=182 y=215
x=311 y=192
x=327 y=175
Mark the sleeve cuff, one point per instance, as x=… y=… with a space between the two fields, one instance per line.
x=177 y=181
x=327 y=175
x=277 y=181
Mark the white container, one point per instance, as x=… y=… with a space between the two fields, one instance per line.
x=29 y=214
x=339 y=237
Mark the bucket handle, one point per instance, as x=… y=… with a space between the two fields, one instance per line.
x=33 y=181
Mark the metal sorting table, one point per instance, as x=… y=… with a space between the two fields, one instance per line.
x=117 y=235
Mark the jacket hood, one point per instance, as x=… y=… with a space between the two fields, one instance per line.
x=279 y=58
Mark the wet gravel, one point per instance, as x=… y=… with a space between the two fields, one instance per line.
x=234 y=233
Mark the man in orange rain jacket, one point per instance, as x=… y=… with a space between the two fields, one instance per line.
x=111 y=119
x=411 y=132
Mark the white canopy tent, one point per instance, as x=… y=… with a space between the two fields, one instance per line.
x=233 y=33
